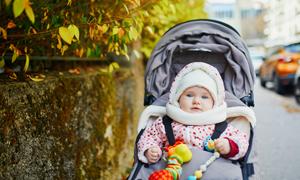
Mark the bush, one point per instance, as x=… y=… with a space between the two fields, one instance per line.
x=89 y=29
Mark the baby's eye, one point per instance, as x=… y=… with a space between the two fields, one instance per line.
x=189 y=95
x=204 y=97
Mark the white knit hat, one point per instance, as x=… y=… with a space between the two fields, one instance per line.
x=198 y=74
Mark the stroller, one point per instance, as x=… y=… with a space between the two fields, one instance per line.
x=219 y=45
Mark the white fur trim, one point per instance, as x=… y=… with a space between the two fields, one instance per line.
x=149 y=111
x=213 y=116
x=244 y=111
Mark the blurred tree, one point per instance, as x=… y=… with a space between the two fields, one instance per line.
x=90 y=28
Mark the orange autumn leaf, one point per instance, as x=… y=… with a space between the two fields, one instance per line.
x=11 y=25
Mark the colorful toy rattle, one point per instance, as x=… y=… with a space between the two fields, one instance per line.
x=178 y=154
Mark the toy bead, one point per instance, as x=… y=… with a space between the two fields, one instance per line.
x=198 y=174
x=203 y=168
x=192 y=178
x=209 y=144
x=217 y=154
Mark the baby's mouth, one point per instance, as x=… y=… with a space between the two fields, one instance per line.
x=197 y=109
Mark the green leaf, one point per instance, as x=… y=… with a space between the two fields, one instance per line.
x=18 y=7
x=2 y=62
x=89 y=52
x=133 y=34
x=30 y=14
x=26 y=63
x=115 y=30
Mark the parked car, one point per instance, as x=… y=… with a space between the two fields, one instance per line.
x=257 y=61
x=257 y=53
x=297 y=85
x=280 y=67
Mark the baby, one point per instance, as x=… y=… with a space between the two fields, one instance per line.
x=196 y=104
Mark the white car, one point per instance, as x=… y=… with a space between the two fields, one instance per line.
x=257 y=57
x=257 y=60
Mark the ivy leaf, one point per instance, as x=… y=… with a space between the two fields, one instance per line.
x=30 y=14
x=65 y=34
x=74 y=30
x=18 y=7
x=26 y=63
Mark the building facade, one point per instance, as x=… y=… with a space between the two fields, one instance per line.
x=282 y=22
x=247 y=16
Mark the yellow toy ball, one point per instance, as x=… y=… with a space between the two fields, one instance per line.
x=198 y=174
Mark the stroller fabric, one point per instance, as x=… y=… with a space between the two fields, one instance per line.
x=221 y=46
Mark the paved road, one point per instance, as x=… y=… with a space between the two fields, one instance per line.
x=278 y=134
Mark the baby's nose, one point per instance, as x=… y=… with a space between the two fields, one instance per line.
x=196 y=100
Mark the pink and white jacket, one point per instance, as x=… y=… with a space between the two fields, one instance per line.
x=194 y=136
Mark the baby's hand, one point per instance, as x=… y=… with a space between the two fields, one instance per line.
x=153 y=154
x=222 y=145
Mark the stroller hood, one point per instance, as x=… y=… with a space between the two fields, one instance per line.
x=208 y=41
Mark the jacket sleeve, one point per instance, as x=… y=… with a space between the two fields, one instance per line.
x=239 y=137
x=153 y=136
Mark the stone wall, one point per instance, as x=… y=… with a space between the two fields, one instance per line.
x=70 y=126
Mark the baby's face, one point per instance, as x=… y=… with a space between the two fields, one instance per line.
x=196 y=99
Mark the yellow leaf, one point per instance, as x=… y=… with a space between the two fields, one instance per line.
x=14 y=57
x=65 y=34
x=115 y=30
x=104 y=28
x=63 y=49
x=13 y=76
x=7 y=2
x=18 y=7
x=4 y=33
x=30 y=13
x=69 y=3
x=2 y=63
x=37 y=78
x=113 y=66
x=59 y=45
x=26 y=63
x=74 y=30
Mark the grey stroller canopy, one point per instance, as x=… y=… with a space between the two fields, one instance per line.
x=209 y=41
